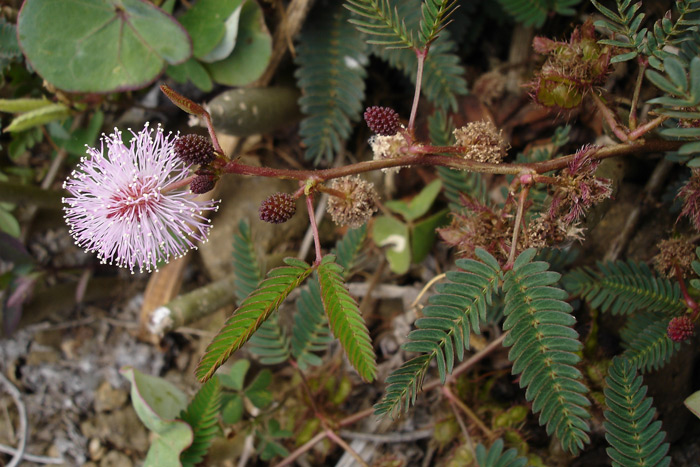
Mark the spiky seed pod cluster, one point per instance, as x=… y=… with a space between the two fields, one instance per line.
x=358 y=205
x=382 y=120
x=674 y=252
x=202 y=184
x=482 y=142
x=680 y=328
x=572 y=68
x=194 y=149
x=278 y=208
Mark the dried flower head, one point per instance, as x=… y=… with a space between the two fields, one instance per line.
x=122 y=207
x=680 y=328
x=480 y=226
x=387 y=147
x=194 y=149
x=359 y=204
x=690 y=194
x=490 y=86
x=382 y=120
x=482 y=142
x=578 y=188
x=278 y=208
x=674 y=252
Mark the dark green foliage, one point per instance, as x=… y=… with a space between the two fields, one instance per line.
x=345 y=319
x=270 y=343
x=347 y=249
x=646 y=341
x=667 y=33
x=382 y=19
x=310 y=332
x=202 y=414
x=625 y=287
x=495 y=457
x=9 y=47
x=634 y=438
x=245 y=262
x=443 y=331
x=535 y=12
x=624 y=28
x=435 y=14
x=454 y=181
x=250 y=315
x=544 y=347
x=331 y=56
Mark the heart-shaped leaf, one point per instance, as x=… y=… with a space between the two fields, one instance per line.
x=100 y=45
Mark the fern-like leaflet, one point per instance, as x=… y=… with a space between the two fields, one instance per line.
x=435 y=15
x=535 y=12
x=345 y=319
x=633 y=437
x=495 y=457
x=624 y=287
x=443 y=331
x=544 y=347
x=201 y=415
x=646 y=340
x=382 y=21
x=270 y=343
x=624 y=27
x=250 y=315
x=310 y=332
x=331 y=56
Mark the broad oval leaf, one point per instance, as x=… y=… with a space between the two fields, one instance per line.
x=100 y=45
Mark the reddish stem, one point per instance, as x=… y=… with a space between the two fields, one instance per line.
x=647 y=127
x=609 y=117
x=420 y=55
x=179 y=184
x=692 y=304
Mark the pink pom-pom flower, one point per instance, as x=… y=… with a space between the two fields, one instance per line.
x=131 y=205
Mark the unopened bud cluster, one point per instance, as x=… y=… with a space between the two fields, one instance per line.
x=278 y=208
x=680 y=328
x=358 y=205
x=482 y=142
x=194 y=149
x=382 y=120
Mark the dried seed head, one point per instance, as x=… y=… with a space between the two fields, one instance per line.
x=382 y=120
x=690 y=194
x=278 y=208
x=387 y=147
x=680 y=328
x=202 y=184
x=482 y=142
x=359 y=204
x=674 y=252
x=194 y=149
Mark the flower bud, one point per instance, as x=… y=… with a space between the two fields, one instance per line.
x=194 y=149
x=202 y=184
x=382 y=120
x=680 y=328
x=278 y=208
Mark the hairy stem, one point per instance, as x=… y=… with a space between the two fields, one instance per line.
x=609 y=117
x=420 y=55
x=341 y=442
x=692 y=304
x=516 y=228
x=647 y=127
x=632 y=121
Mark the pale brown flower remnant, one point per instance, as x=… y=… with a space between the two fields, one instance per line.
x=482 y=142
x=674 y=252
x=387 y=147
x=358 y=205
